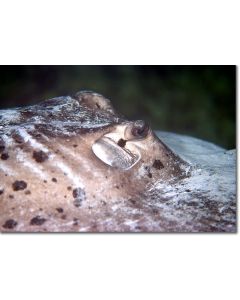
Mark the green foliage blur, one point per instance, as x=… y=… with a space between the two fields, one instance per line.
x=194 y=100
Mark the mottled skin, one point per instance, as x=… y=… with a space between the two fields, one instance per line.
x=51 y=180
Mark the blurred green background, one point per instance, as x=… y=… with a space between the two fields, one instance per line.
x=195 y=100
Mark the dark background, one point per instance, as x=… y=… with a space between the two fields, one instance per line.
x=193 y=100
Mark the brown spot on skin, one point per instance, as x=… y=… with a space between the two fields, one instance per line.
x=59 y=209
x=1 y=191
x=79 y=196
x=10 y=224
x=37 y=221
x=63 y=217
x=45 y=181
x=75 y=146
x=17 y=137
x=19 y=185
x=28 y=192
x=40 y=156
x=11 y=196
x=4 y=156
x=121 y=143
x=158 y=164
x=69 y=188
x=54 y=179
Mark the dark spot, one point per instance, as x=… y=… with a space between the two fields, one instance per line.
x=121 y=143
x=65 y=196
x=28 y=192
x=138 y=227
x=10 y=224
x=69 y=188
x=117 y=187
x=12 y=208
x=1 y=191
x=4 y=156
x=103 y=202
x=37 y=221
x=59 y=209
x=11 y=196
x=2 y=145
x=63 y=217
x=75 y=145
x=45 y=181
x=75 y=221
x=158 y=164
x=155 y=211
x=79 y=196
x=187 y=190
x=54 y=179
x=133 y=201
x=193 y=204
x=17 y=137
x=150 y=175
x=19 y=185
x=40 y=209
x=40 y=156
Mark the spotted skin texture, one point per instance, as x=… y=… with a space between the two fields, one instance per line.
x=52 y=181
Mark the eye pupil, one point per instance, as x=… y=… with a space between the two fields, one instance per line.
x=140 y=129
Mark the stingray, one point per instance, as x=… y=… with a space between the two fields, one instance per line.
x=73 y=164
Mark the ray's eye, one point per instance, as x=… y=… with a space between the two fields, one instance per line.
x=139 y=129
